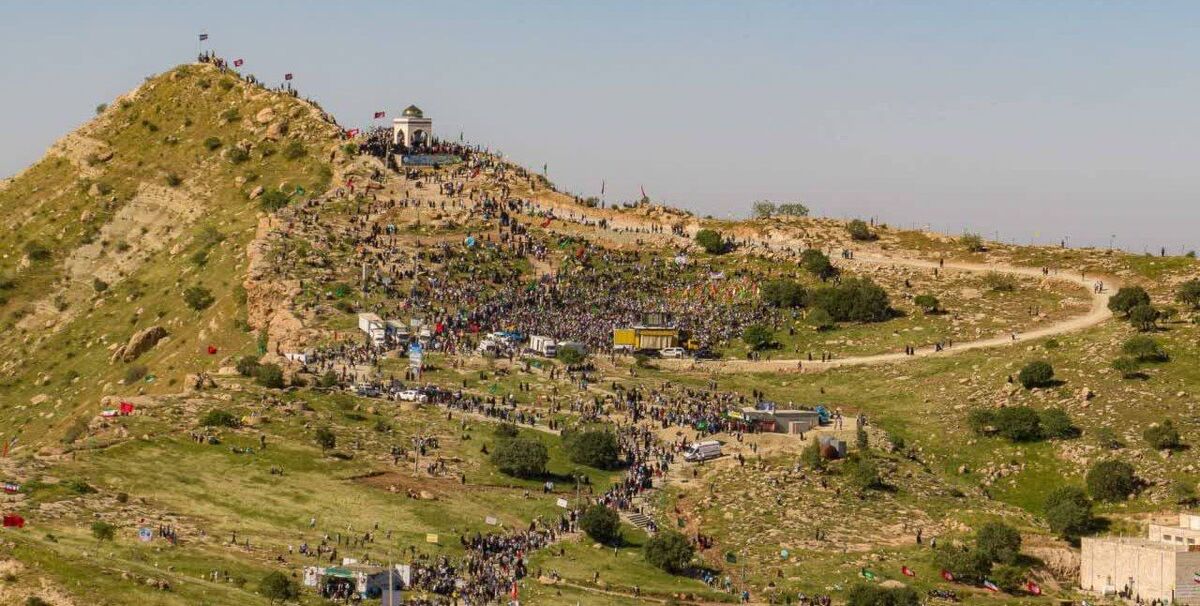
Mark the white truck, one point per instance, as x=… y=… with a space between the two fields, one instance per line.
x=547 y=346
x=702 y=451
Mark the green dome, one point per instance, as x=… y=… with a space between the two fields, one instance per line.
x=413 y=111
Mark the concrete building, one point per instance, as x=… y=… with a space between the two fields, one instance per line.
x=1165 y=565
x=412 y=129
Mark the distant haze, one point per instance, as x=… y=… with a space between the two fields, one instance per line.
x=1033 y=121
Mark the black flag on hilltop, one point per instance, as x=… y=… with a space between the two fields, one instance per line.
x=203 y=37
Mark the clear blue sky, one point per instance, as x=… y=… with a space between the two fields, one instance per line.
x=1035 y=120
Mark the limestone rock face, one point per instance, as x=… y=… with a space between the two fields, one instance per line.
x=264 y=115
x=256 y=192
x=141 y=342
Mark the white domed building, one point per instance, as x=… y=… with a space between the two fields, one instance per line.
x=412 y=129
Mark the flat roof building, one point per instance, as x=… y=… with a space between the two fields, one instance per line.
x=1165 y=565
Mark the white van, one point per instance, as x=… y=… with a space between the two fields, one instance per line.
x=672 y=352
x=702 y=451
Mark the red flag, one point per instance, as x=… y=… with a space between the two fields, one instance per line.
x=947 y=575
x=14 y=521
x=1033 y=588
x=126 y=408
x=906 y=571
x=212 y=350
x=379 y=115
x=287 y=76
x=352 y=133
x=238 y=62
x=546 y=223
x=515 y=593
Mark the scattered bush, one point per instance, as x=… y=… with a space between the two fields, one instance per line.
x=327 y=380
x=520 y=457
x=821 y=320
x=602 y=524
x=294 y=150
x=103 y=531
x=1056 y=423
x=100 y=108
x=711 y=241
x=972 y=242
x=219 y=418
x=1183 y=491
x=507 y=430
x=173 y=180
x=999 y=542
x=1128 y=367
x=1038 y=373
x=1163 y=436
x=1127 y=298
x=1018 y=423
x=325 y=438
x=36 y=251
x=817 y=264
x=247 y=366
x=135 y=373
x=99 y=285
x=1068 y=511
x=237 y=155
x=967 y=565
x=1188 y=293
x=273 y=199
x=669 y=551
x=269 y=376
x=811 y=456
x=593 y=447
x=998 y=282
x=1144 y=318
x=278 y=587
x=757 y=336
x=783 y=293
x=859 y=230
x=212 y=143
x=853 y=300
x=863 y=594
x=571 y=356
x=928 y=303
x=863 y=471
x=1111 y=480
x=198 y=298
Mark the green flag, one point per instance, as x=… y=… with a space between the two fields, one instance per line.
x=867 y=574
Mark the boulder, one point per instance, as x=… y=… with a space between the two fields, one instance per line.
x=256 y=192
x=277 y=130
x=141 y=342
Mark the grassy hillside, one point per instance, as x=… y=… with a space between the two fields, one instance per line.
x=106 y=233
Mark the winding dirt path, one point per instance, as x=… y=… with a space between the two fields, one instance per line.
x=1098 y=313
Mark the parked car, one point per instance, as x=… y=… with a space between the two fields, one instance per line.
x=672 y=352
x=412 y=395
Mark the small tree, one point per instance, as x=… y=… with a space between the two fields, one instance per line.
x=329 y=379
x=764 y=209
x=520 y=457
x=198 y=298
x=1128 y=367
x=1038 y=373
x=859 y=230
x=1018 y=423
x=757 y=336
x=325 y=438
x=861 y=439
x=669 y=551
x=972 y=242
x=1188 y=293
x=1163 y=436
x=277 y=587
x=570 y=356
x=1128 y=297
x=269 y=376
x=1144 y=318
x=783 y=293
x=1068 y=511
x=1111 y=481
x=103 y=531
x=593 y=447
x=999 y=542
x=247 y=366
x=273 y=199
x=818 y=264
x=1056 y=423
x=1183 y=491
x=711 y=241
x=928 y=303
x=864 y=473
x=967 y=565
x=602 y=524
x=792 y=209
